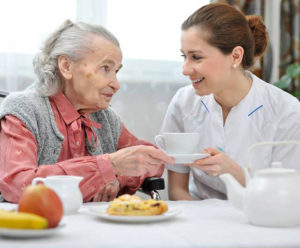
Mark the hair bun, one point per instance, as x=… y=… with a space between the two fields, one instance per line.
x=260 y=34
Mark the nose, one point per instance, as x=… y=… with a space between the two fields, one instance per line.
x=115 y=83
x=187 y=68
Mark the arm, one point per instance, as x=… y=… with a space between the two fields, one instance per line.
x=131 y=184
x=132 y=163
x=178 y=186
x=219 y=163
x=18 y=160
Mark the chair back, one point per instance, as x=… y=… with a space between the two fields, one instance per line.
x=3 y=94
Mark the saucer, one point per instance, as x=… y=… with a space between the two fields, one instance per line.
x=188 y=158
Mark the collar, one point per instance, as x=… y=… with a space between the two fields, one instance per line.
x=71 y=117
x=65 y=108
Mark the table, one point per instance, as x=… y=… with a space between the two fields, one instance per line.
x=208 y=223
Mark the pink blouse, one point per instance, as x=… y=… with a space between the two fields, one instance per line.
x=18 y=149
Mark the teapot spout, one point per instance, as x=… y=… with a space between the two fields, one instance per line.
x=235 y=191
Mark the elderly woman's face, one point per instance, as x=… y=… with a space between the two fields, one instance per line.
x=93 y=80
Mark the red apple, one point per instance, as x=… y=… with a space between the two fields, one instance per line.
x=43 y=201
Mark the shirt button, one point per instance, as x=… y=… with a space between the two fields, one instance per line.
x=77 y=143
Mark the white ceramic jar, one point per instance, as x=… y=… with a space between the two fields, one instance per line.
x=67 y=188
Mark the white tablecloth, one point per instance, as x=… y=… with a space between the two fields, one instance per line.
x=209 y=223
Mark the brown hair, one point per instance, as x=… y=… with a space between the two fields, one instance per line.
x=225 y=27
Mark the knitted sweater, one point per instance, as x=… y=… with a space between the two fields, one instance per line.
x=36 y=113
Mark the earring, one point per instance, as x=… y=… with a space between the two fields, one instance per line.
x=234 y=65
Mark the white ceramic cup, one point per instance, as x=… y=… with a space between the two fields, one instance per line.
x=67 y=188
x=178 y=143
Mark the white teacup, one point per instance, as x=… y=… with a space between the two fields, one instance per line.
x=67 y=188
x=178 y=143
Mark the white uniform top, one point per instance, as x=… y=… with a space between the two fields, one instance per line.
x=265 y=114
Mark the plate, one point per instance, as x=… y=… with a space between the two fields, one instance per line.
x=100 y=211
x=29 y=233
x=188 y=158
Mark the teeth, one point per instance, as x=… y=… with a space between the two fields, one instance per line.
x=198 y=80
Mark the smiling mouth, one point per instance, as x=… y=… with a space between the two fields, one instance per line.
x=108 y=95
x=197 y=81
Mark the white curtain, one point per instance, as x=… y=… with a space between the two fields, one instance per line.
x=24 y=25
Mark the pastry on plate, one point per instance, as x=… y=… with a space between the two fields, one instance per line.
x=132 y=205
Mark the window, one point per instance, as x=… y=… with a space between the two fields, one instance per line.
x=149 y=33
x=24 y=24
x=150 y=29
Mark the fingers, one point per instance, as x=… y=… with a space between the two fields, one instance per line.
x=108 y=192
x=138 y=160
x=208 y=161
x=158 y=154
x=152 y=161
x=97 y=198
x=211 y=151
x=212 y=165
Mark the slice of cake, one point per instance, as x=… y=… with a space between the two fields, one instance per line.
x=132 y=205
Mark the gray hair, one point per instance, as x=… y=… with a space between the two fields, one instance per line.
x=69 y=39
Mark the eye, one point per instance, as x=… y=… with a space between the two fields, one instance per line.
x=106 y=68
x=195 y=57
x=183 y=56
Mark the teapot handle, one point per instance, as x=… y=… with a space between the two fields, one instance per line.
x=284 y=142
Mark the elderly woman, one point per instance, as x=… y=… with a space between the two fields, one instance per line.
x=63 y=125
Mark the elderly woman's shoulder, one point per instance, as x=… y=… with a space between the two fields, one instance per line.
x=26 y=99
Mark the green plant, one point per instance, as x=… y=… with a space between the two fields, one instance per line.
x=292 y=72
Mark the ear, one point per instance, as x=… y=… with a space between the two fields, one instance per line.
x=237 y=55
x=64 y=66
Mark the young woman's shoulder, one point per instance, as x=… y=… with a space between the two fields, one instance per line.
x=276 y=100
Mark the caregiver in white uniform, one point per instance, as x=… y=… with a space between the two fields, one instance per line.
x=228 y=106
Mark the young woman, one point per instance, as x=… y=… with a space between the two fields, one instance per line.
x=230 y=107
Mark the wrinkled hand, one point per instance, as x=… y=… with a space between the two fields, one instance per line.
x=108 y=192
x=218 y=163
x=138 y=160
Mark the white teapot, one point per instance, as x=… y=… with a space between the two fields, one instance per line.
x=271 y=197
x=67 y=188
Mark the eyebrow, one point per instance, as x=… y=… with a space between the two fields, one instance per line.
x=109 y=61
x=193 y=51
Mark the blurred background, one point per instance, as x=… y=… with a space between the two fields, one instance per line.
x=149 y=33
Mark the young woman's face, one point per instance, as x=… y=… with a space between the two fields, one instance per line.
x=93 y=79
x=207 y=67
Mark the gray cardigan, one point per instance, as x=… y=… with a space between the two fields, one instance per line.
x=36 y=113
